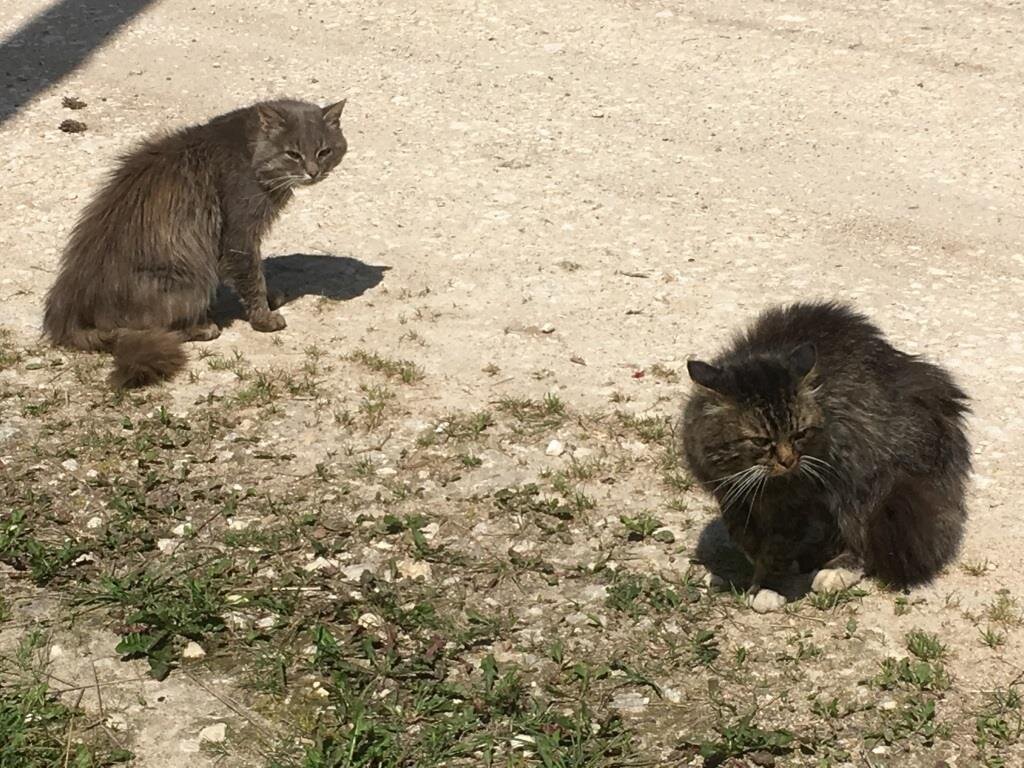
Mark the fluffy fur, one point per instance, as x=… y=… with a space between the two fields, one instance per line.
x=825 y=445
x=180 y=214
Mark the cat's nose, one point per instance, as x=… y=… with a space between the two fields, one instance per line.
x=312 y=171
x=786 y=456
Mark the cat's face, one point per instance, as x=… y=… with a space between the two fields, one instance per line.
x=759 y=414
x=297 y=144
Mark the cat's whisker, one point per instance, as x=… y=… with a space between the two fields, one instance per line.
x=753 y=499
x=823 y=465
x=741 y=490
x=726 y=478
x=735 y=481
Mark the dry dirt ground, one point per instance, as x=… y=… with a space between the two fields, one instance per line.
x=547 y=208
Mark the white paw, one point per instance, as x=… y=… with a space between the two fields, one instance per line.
x=766 y=601
x=835 y=579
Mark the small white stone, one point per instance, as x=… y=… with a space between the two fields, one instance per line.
x=166 y=546
x=414 y=569
x=766 y=601
x=888 y=705
x=238 y=525
x=70 y=465
x=92 y=474
x=355 y=572
x=666 y=14
x=522 y=741
x=547 y=328
x=319 y=564
x=116 y=721
x=266 y=622
x=386 y=472
x=370 y=621
x=94 y=522
x=192 y=650
x=630 y=702
x=215 y=733
x=56 y=651
x=320 y=691
x=555 y=448
x=672 y=695
x=182 y=529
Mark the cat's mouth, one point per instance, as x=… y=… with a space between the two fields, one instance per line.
x=778 y=469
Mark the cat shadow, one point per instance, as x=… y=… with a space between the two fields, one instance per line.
x=717 y=553
x=336 y=278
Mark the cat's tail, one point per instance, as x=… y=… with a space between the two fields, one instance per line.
x=145 y=357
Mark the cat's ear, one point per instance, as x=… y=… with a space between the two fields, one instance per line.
x=332 y=114
x=802 y=359
x=708 y=376
x=272 y=119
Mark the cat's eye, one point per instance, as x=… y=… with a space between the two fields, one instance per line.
x=760 y=442
x=800 y=434
x=324 y=152
x=293 y=154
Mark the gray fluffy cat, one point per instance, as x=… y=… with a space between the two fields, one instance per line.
x=826 y=446
x=180 y=214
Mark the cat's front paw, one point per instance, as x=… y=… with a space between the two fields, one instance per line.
x=267 y=322
x=835 y=579
x=766 y=601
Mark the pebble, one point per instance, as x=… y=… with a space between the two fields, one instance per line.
x=216 y=733
x=355 y=572
x=555 y=448
x=193 y=650
x=94 y=522
x=547 y=328
x=70 y=465
x=415 y=569
x=319 y=564
x=630 y=702
x=370 y=621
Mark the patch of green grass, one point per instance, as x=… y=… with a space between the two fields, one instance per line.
x=828 y=601
x=916 y=719
x=907 y=673
x=993 y=638
x=374 y=405
x=637 y=594
x=998 y=725
x=975 y=567
x=38 y=730
x=404 y=370
x=641 y=526
x=925 y=645
x=458 y=427
x=23 y=550
x=738 y=735
x=1004 y=610
x=649 y=429
x=161 y=608
x=533 y=416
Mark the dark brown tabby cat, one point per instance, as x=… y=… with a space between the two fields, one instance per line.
x=180 y=214
x=826 y=446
